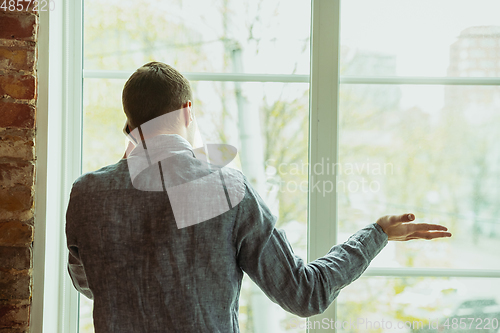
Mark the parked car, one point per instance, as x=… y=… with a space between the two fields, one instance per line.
x=471 y=316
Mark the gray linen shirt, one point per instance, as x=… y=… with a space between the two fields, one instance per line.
x=147 y=275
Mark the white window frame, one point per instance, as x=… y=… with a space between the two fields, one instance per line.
x=55 y=306
x=55 y=301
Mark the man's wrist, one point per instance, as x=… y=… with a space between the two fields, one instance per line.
x=379 y=227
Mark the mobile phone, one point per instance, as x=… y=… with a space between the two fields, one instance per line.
x=126 y=131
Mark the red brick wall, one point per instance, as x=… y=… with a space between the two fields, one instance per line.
x=18 y=78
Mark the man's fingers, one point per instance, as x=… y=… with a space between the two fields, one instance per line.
x=402 y=218
x=426 y=227
x=429 y=234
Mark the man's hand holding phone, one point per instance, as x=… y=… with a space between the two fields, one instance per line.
x=131 y=146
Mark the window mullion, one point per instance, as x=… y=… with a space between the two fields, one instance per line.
x=72 y=148
x=304 y=78
x=413 y=80
x=65 y=136
x=193 y=76
x=431 y=272
x=323 y=134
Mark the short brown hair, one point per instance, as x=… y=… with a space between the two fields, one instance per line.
x=153 y=90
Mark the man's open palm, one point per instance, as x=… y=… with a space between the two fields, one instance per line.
x=401 y=228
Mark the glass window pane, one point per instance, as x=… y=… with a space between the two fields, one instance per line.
x=430 y=150
x=103 y=118
x=267 y=122
x=269 y=36
x=420 y=38
x=419 y=304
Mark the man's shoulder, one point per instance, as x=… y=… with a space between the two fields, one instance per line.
x=235 y=175
x=236 y=185
x=104 y=178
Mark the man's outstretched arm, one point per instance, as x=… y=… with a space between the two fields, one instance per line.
x=265 y=254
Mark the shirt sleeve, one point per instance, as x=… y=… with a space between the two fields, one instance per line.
x=265 y=254
x=77 y=273
x=75 y=265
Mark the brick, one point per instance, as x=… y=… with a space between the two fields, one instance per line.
x=18 y=86
x=17 y=145
x=18 y=26
x=16 y=115
x=18 y=34
x=15 y=58
x=14 y=286
x=16 y=198
x=14 y=316
x=16 y=173
x=20 y=44
x=19 y=215
x=15 y=233
x=15 y=257
x=13 y=330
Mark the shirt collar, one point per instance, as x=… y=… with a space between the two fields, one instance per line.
x=164 y=144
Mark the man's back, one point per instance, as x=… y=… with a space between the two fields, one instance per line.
x=147 y=275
